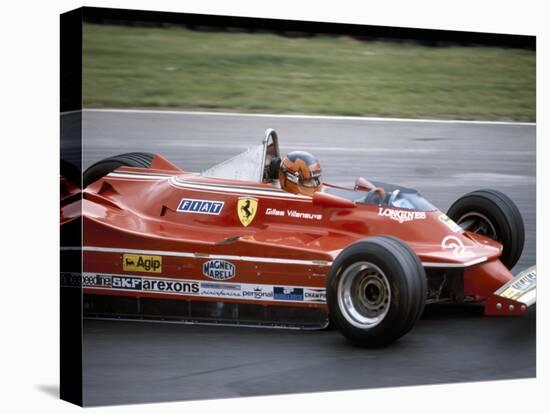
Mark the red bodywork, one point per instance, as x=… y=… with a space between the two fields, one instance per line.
x=290 y=241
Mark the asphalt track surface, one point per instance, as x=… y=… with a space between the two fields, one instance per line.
x=127 y=362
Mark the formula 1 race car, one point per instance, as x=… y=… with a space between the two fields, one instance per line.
x=230 y=246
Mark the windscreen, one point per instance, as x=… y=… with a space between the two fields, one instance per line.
x=392 y=196
x=409 y=200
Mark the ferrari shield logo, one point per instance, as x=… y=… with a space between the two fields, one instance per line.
x=246 y=209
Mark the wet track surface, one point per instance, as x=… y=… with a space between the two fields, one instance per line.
x=128 y=362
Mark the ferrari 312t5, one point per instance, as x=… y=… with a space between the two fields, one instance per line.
x=257 y=240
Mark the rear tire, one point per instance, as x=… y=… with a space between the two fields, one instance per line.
x=492 y=214
x=101 y=168
x=376 y=291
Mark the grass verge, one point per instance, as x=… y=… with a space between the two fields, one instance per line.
x=175 y=67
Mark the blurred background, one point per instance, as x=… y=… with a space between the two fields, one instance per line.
x=229 y=76
x=237 y=69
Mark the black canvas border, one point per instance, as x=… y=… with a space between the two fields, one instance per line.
x=70 y=323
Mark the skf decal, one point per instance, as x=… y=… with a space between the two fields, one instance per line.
x=126 y=283
x=455 y=244
x=450 y=223
x=141 y=263
x=218 y=269
x=401 y=215
x=188 y=205
x=246 y=209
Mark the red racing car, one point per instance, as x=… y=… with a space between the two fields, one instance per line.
x=260 y=240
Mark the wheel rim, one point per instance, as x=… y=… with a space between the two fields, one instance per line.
x=364 y=295
x=478 y=223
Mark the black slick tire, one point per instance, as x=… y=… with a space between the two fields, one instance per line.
x=405 y=276
x=101 y=168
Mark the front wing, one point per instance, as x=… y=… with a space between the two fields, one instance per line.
x=516 y=296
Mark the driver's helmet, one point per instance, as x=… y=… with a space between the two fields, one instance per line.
x=300 y=173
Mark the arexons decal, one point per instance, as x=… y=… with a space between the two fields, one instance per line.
x=189 y=205
x=401 y=215
x=293 y=214
x=141 y=263
x=218 y=269
x=175 y=286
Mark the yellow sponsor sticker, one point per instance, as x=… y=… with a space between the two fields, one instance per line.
x=520 y=286
x=141 y=263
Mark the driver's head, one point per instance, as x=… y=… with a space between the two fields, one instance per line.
x=300 y=173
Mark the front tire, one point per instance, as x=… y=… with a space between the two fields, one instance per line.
x=494 y=215
x=376 y=291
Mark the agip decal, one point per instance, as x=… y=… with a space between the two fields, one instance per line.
x=141 y=263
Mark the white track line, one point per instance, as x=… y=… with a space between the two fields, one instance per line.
x=190 y=255
x=328 y=117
